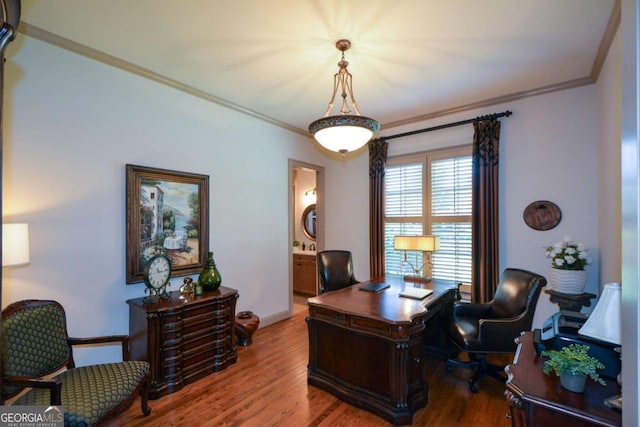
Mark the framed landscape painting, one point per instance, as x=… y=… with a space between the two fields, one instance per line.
x=168 y=214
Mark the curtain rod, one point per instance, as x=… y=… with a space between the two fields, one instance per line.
x=448 y=125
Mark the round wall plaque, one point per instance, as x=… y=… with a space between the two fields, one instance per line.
x=542 y=215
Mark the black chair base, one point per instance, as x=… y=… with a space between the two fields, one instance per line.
x=481 y=368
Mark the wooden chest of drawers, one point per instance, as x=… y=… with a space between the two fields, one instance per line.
x=183 y=339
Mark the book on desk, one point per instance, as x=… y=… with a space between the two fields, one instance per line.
x=415 y=293
x=374 y=286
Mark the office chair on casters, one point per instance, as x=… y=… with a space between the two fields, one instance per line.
x=491 y=328
x=335 y=270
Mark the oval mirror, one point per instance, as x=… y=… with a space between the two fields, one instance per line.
x=309 y=221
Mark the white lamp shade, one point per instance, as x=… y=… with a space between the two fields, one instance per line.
x=605 y=323
x=310 y=197
x=15 y=244
x=416 y=243
x=343 y=138
x=343 y=133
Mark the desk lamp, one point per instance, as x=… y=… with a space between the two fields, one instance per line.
x=604 y=324
x=426 y=244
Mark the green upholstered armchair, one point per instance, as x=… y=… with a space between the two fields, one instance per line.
x=35 y=345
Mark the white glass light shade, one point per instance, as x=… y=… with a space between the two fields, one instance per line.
x=310 y=197
x=605 y=323
x=416 y=243
x=15 y=244
x=343 y=133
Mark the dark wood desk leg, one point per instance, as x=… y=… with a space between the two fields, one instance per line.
x=313 y=347
x=436 y=341
x=516 y=412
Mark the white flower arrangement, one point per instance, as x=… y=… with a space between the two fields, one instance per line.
x=567 y=255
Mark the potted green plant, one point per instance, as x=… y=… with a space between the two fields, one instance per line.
x=572 y=364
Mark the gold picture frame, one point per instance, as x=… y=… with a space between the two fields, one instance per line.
x=167 y=213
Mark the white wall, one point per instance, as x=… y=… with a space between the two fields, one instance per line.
x=549 y=149
x=347 y=209
x=71 y=125
x=609 y=164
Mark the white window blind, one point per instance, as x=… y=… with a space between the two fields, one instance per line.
x=451 y=217
x=451 y=187
x=404 y=197
x=453 y=260
x=403 y=190
x=439 y=205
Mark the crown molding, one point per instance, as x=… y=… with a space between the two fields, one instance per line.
x=607 y=39
x=583 y=81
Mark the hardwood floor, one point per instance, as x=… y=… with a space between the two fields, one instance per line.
x=267 y=386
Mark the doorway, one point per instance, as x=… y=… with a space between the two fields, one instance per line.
x=306 y=231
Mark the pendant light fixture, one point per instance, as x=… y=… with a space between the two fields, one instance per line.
x=345 y=132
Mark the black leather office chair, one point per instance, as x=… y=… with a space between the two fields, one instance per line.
x=491 y=328
x=335 y=269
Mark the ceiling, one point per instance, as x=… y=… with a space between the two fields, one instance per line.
x=274 y=59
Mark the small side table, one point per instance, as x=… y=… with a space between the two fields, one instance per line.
x=570 y=302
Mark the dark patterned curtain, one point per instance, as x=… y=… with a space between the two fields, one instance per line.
x=377 y=161
x=484 y=246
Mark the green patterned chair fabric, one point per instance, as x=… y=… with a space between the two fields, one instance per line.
x=89 y=392
x=35 y=344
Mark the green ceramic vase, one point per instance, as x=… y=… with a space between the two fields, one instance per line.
x=210 y=278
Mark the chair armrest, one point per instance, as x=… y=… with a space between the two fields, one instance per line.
x=54 y=386
x=123 y=339
x=499 y=334
x=476 y=311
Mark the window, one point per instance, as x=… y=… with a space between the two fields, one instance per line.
x=403 y=206
x=430 y=194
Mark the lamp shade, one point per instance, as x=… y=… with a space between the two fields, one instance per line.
x=15 y=244
x=344 y=133
x=605 y=323
x=310 y=197
x=416 y=243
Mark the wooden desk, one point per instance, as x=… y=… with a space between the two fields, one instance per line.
x=536 y=399
x=366 y=348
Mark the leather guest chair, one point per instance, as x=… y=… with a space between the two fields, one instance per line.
x=491 y=328
x=35 y=345
x=335 y=270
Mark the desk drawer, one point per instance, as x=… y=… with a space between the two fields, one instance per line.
x=327 y=315
x=369 y=325
x=377 y=327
